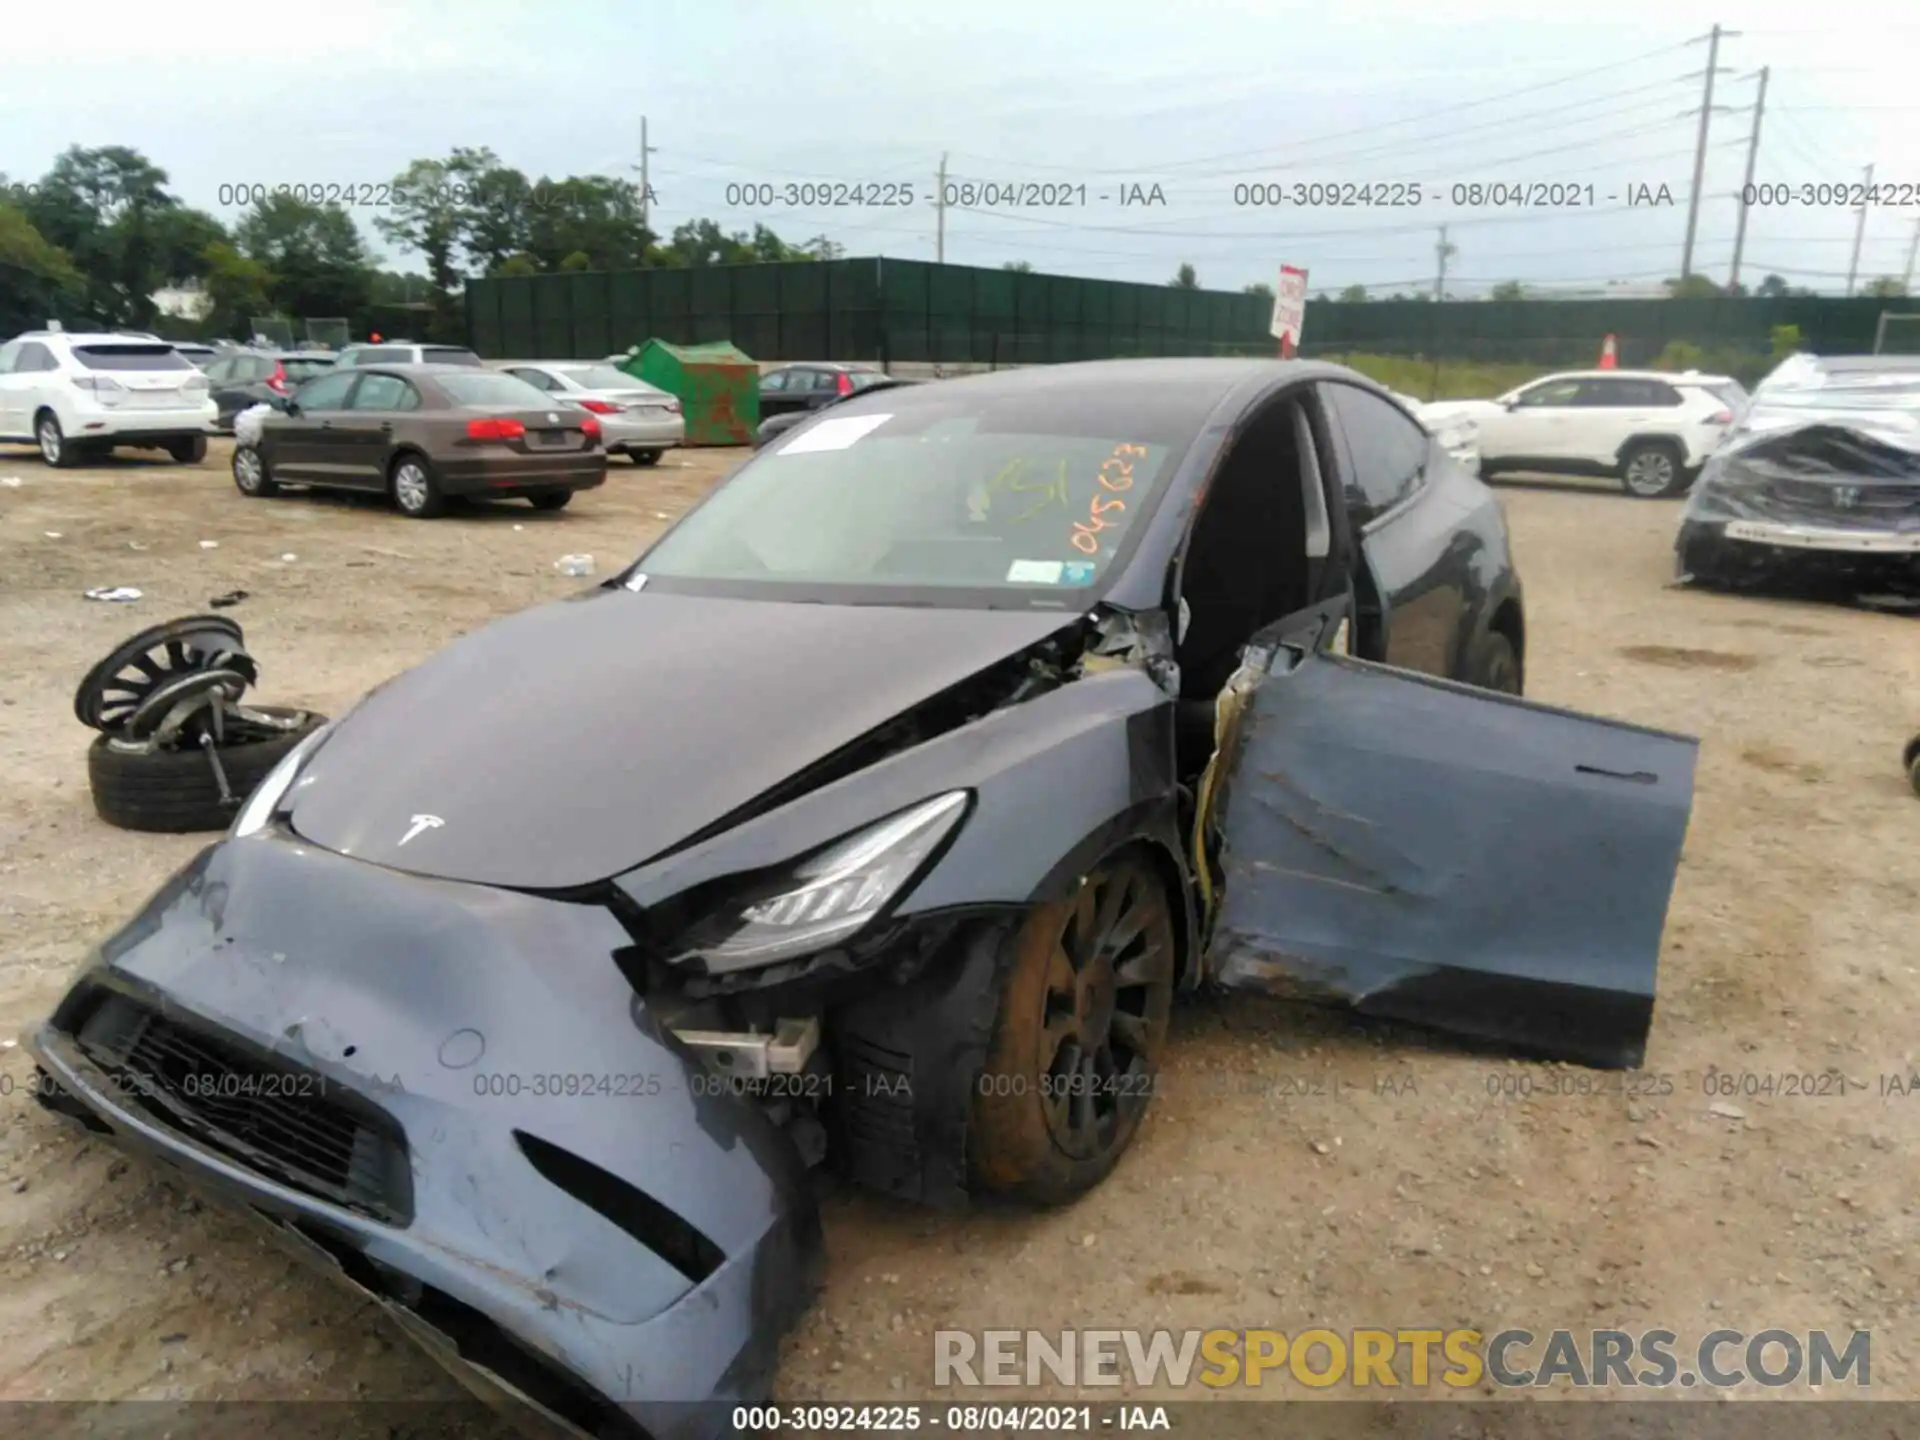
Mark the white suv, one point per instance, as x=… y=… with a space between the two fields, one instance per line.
x=75 y=395
x=1653 y=429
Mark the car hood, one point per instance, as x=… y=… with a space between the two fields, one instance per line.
x=574 y=741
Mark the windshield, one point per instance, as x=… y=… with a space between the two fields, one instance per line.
x=601 y=377
x=490 y=390
x=929 y=498
x=437 y=355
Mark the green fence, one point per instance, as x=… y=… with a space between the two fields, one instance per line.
x=877 y=310
x=910 y=310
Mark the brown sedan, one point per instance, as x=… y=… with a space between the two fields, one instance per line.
x=422 y=433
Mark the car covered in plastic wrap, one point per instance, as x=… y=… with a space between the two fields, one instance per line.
x=1820 y=481
x=871 y=821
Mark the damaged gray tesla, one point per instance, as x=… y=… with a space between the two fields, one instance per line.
x=872 y=821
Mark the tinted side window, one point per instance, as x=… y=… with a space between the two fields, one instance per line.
x=1657 y=392
x=1606 y=394
x=383 y=392
x=328 y=392
x=1552 y=392
x=775 y=381
x=1388 y=451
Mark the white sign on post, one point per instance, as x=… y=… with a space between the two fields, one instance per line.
x=1289 y=308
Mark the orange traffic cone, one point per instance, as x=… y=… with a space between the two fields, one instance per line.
x=1609 y=357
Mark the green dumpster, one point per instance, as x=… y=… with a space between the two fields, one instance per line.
x=718 y=387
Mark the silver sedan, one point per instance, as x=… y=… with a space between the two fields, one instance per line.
x=637 y=420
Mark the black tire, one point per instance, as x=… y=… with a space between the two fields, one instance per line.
x=190 y=451
x=644 y=457
x=414 y=487
x=173 y=792
x=1913 y=776
x=1077 y=1039
x=55 y=448
x=1493 y=664
x=1654 y=470
x=550 y=499
x=250 y=474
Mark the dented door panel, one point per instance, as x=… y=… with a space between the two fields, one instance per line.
x=1428 y=852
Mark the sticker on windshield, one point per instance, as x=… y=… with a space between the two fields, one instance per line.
x=1034 y=572
x=1077 y=572
x=836 y=433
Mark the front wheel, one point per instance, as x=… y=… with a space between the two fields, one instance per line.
x=1086 y=992
x=416 y=494
x=250 y=473
x=1653 y=470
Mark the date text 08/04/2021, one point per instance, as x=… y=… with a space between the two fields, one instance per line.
x=1039 y=1419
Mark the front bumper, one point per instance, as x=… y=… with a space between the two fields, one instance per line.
x=1757 y=549
x=569 y=1222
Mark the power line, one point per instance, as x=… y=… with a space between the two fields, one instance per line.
x=1376 y=127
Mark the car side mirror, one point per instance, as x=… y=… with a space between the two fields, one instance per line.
x=1512 y=402
x=289 y=407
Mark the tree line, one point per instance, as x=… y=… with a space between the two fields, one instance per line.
x=93 y=240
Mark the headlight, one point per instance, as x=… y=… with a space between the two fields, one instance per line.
x=828 y=897
x=265 y=800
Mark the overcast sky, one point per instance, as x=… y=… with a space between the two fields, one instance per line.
x=1195 y=96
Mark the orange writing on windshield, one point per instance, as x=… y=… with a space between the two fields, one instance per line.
x=1115 y=477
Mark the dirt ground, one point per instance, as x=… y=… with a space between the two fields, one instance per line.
x=1409 y=1186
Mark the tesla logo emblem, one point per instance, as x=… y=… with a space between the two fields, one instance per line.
x=1846 y=496
x=422 y=822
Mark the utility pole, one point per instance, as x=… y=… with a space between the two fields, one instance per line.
x=1444 y=252
x=940 y=212
x=646 y=190
x=1746 y=188
x=1713 y=40
x=1913 y=250
x=1860 y=231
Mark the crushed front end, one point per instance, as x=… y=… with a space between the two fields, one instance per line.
x=449 y=1096
x=1824 y=502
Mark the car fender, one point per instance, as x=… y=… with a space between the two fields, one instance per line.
x=1058 y=781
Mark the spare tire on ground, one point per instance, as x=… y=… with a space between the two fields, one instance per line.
x=175 y=792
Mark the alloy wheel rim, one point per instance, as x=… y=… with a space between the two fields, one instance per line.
x=246 y=469
x=49 y=441
x=1650 y=473
x=1108 y=994
x=410 y=486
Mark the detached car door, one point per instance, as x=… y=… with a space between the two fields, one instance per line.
x=1428 y=852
